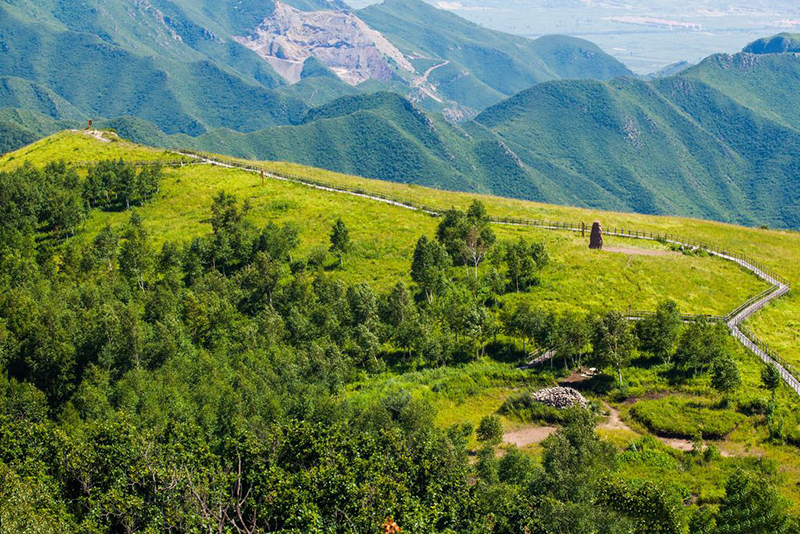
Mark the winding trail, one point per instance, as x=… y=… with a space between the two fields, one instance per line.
x=734 y=320
x=421 y=82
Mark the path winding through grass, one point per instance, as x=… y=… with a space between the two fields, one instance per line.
x=734 y=319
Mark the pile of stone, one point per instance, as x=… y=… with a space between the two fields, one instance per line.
x=561 y=398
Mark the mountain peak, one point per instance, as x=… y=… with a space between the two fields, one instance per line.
x=778 y=44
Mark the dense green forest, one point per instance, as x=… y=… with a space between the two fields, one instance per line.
x=200 y=386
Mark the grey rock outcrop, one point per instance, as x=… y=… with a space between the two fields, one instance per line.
x=561 y=398
x=339 y=39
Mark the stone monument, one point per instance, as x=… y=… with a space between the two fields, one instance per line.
x=596 y=239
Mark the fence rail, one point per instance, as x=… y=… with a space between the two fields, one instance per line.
x=778 y=284
x=165 y=163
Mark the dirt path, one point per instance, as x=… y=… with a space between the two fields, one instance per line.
x=615 y=422
x=529 y=435
x=97 y=134
x=421 y=82
x=428 y=72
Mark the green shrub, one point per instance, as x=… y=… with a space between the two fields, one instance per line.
x=685 y=418
x=522 y=406
x=490 y=430
x=754 y=406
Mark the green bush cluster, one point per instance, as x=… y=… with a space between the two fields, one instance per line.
x=682 y=417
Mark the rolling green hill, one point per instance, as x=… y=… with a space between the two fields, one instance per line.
x=718 y=140
x=779 y=44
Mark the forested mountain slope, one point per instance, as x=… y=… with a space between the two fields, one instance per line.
x=187 y=66
x=779 y=44
x=715 y=141
x=718 y=140
x=483 y=66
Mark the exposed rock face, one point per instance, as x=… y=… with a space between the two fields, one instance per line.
x=596 y=239
x=561 y=398
x=339 y=39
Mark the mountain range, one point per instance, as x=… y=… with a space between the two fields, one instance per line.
x=190 y=66
x=718 y=140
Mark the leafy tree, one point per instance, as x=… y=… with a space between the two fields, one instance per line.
x=573 y=334
x=363 y=304
x=700 y=345
x=451 y=231
x=751 y=505
x=104 y=247
x=702 y=521
x=467 y=236
x=225 y=214
x=278 y=242
x=340 y=240
x=528 y=324
x=658 y=334
x=655 y=508
x=480 y=324
x=490 y=430
x=725 y=376
x=487 y=466
x=398 y=312
x=29 y=505
x=575 y=457
x=523 y=261
x=118 y=185
x=613 y=342
x=479 y=236
x=261 y=278
x=516 y=467
x=771 y=379
x=135 y=258
x=429 y=267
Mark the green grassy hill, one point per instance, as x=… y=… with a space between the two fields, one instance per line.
x=652 y=409
x=718 y=140
x=779 y=44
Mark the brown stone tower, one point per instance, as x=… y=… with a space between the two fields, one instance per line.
x=596 y=239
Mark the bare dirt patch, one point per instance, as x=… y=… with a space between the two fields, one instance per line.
x=97 y=134
x=531 y=435
x=633 y=251
x=614 y=422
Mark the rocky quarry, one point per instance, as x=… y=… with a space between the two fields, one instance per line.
x=339 y=39
x=561 y=398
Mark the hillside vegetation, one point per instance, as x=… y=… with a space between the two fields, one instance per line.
x=179 y=334
x=718 y=140
x=177 y=65
x=484 y=66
